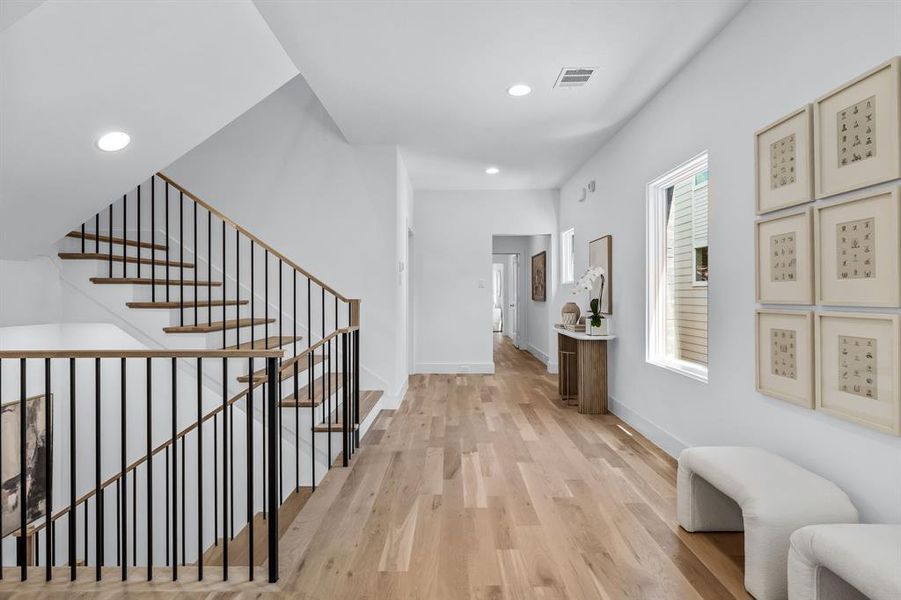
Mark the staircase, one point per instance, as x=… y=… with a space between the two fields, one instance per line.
x=213 y=298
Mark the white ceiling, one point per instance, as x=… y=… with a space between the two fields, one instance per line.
x=431 y=76
x=169 y=73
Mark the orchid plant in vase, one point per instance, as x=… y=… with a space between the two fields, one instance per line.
x=597 y=324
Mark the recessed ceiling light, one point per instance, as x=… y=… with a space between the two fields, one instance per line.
x=492 y=170
x=113 y=141
x=520 y=89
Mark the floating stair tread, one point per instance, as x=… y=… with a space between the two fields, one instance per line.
x=175 y=304
x=368 y=400
x=217 y=325
x=264 y=343
x=118 y=258
x=287 y=370
x=116 y=240
x=157 y=281
x=318 y=393
x=237 y=548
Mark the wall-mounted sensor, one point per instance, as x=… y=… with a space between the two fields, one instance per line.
x=591 y=186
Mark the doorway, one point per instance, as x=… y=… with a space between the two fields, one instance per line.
x=505 y=314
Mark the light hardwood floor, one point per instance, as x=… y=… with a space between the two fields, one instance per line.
x=485 y=487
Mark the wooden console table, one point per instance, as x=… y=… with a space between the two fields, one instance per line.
x=589 y=375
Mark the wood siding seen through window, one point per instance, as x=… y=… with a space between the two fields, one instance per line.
x=686 y=313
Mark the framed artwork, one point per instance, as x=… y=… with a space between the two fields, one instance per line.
x=857 y=132
x=785 y=355
x=36 y=452
x=539 y=277
x=784 y=159
x=600 y=254
x=858 y=251
x=858 y=368
x=784 y=258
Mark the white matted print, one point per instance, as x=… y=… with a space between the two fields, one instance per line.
x=784 y=158
x=785 y=259
x=858 y=251
x=785 y=354
x=857 y=363
x=857 y=132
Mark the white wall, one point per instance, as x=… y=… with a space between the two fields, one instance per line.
x=30 y=292
x=284 y=172
x=771 y=59
x=452 y=278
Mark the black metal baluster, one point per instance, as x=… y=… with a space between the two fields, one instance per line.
x=86 y=562
x=124 y=235
x=97 y=233
x=237 y=303
x=167 y=505
x=253 y=312
x=266 y=314
x=23 y=492
x=250 y=482
x=296 y=398
x=1 y=469
x=98 y=497
x=174 y=473
x=139 y=231
x=48 y=470
x=82 y=238
x=225 y=295
x=215 y=479
x=134 y=517
x=181 y=266
x=345 y=413
x=153 y=237
x=231 y=472
x=184 y=554
x=311 y=383
x=225 y=466
x=123 y=424
x=281 y=491
x=200 y=468
x=73 y=525
x=110 y=241
x=168 y=241
x=150 y=530
x=196 y=268
x=356 y=372
x=328 y=374
x=271 y=369
x=209 y=269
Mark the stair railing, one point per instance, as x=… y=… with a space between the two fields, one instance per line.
x=100 y=404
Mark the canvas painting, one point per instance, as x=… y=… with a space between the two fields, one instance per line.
x=857 y=132
x=600 y=254
x=36 y=453
x=785 y=162
x=858 y=368
x=539 y=277
x=785 y=351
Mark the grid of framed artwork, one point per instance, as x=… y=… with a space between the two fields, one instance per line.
x=845 y=253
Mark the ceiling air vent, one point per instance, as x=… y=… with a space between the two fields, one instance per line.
x=573 y=77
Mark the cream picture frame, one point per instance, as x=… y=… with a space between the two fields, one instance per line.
x=857 y=132
x=784 y=259
x=856 y=266
x=857 y=368
x=785 y=355
x=784 y=161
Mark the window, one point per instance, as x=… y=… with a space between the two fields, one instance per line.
x=567 y=256
x=678 y=269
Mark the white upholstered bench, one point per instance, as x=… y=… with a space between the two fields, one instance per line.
x=727 y=488
x=845 y=562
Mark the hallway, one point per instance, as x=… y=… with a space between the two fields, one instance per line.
x=483 y=486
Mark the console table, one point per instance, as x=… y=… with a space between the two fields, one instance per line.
x=588 y=373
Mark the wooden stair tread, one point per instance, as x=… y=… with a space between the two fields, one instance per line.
x=157 y=281
x=144 y=260
x=116 y=240
x=368 y=400
x=172 y=304
x=318 y=393
x=216 y=325
x=237 y=548
x=271 y=342
x=287 y=370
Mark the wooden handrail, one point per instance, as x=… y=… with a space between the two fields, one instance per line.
x=263 y=244
x=271 y=353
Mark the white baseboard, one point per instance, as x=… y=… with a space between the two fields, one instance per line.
x=456 y=368
x=659 y=436
x=393 y=401
x=552 y=367
x=537 y=354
